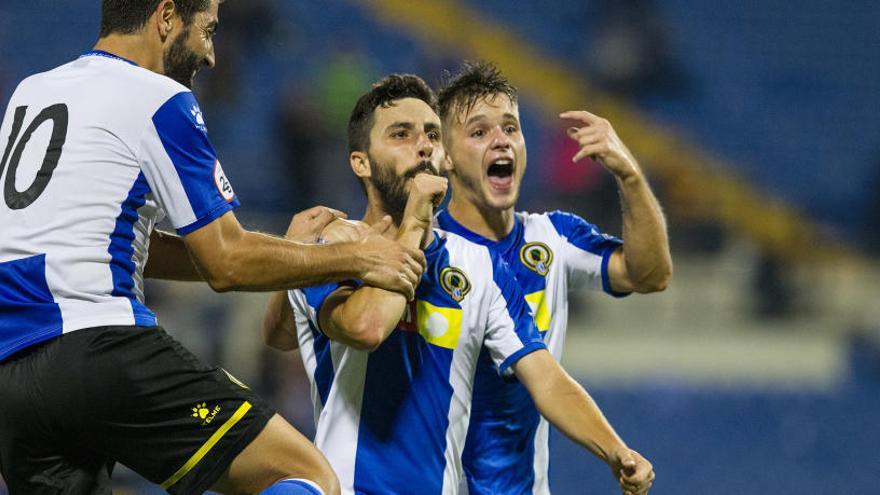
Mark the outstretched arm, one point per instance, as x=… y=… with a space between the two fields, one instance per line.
x=644 y=263
x=567 y=406
x=232 y=258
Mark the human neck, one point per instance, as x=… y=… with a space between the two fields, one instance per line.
x=135 y=48
x=493 y=224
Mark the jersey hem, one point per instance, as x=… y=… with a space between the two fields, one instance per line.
x=606 y=279
x=32 y=339
x=210 y=217
x=516 y=356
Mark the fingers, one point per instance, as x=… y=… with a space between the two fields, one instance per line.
x=324 y=217
x=408 y=288
x=590 y=150
x=317 y=212
x=581 y=116
x=636 y=475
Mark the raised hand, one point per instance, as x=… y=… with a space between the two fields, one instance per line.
x=598 y=140
x=426 y=193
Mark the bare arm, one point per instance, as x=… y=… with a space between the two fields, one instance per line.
x=232 y=258
x=279 y=327
x=566 y=405
x=644 y=263
x=168 y=259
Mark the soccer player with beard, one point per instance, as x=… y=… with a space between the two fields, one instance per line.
x=95 y=153
x=549 y=253
x=391 y=379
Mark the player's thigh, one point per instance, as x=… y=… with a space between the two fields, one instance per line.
x=278 y=452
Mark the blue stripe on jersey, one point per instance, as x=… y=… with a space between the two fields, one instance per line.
x=324 y=372
x=121 y=249
x=500 y=448
x=404 y=417
x=183 y=135
x=30 y=314
x=407 y=395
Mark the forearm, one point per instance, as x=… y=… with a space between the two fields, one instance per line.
x=260 y=262
x=645 y=241
x=168 y=259
x=566 y=405
x=279 y=327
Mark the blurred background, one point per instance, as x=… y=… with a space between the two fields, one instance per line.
x=758 y=370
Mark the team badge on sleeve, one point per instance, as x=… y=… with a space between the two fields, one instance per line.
x=537 y=257
x=455 y=283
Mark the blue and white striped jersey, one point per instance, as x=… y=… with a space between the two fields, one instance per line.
x=95 y=153
x=393 y=421
x=507 y=441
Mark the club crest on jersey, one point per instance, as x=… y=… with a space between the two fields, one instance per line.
x=537 y=257
x=222 y=183
x=455 y=283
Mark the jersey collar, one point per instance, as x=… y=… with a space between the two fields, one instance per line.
x=102 y=53
x=446 y=222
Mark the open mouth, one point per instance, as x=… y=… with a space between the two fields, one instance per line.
x=500 y=174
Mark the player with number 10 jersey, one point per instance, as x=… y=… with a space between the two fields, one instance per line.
x=85 y=183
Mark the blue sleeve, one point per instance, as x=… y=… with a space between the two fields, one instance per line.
x=514 y=337
x=184 y=138
x=592 y=250
x=316 y=295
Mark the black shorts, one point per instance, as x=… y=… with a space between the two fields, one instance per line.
x=73 y=406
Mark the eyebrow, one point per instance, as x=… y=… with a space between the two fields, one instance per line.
x=401 y=125
x=475 y=118
x=431 y=126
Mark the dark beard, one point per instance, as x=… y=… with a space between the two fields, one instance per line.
x=392 y=189
x=181 y=63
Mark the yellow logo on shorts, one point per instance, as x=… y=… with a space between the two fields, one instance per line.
x=537 y=257
x=201 y=411
x=455 y=283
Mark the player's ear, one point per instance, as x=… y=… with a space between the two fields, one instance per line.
x=165 y=18
x=448 y=165
x=360 y=164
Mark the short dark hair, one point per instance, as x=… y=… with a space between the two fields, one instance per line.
x=473 y=82
x=129 y=16
x=383 y=93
